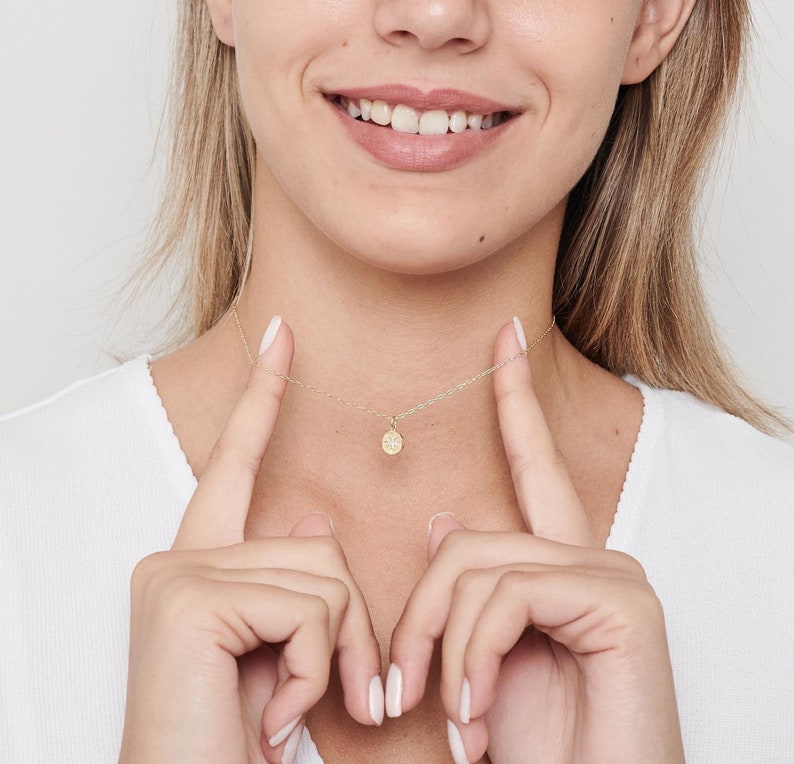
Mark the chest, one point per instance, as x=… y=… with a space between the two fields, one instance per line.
x=385 y=546
x=386 y=558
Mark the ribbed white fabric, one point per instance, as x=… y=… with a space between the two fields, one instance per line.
x=94 y=479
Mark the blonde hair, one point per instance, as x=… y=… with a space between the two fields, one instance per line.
x=627 y=291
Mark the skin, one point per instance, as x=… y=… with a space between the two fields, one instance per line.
x=394 y=286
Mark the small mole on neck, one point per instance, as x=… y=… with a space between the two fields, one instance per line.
x=482 y=238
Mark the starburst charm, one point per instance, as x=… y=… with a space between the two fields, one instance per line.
x=392 y=440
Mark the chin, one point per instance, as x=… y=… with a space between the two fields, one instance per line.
x=432 y=242
x=417 y=237
x=419 y=251
x=419 y=263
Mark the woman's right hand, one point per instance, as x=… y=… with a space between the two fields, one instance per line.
x=207 y=680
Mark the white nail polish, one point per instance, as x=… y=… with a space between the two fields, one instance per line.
x=270 y=334
x=434 y=518
x=465 y=702
x=456 y=744
x=376 y=700
x=283 y=733
x=291 y=748
x=522 y=338
x=394 y=692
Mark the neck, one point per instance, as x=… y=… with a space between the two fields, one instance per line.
x=390 y=340
x=387 y=341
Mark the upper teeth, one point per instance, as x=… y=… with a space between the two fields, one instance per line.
x=405 y=119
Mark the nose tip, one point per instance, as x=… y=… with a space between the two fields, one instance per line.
x=462 y=25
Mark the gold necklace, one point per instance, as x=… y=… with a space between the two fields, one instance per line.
x=392 y=441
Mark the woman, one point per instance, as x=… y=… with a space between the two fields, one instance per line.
x=398 y=180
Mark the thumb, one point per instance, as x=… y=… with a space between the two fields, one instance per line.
x=440 y=525
x=314 y=524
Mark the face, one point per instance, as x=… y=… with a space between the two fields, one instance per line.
x=546 y=72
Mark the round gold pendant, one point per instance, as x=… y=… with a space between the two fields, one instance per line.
x=392 y=441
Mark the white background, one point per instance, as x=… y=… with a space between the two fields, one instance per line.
x=82 y=86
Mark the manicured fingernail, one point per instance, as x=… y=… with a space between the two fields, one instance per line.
x=283 y=733
x=465 y=702
x=456 y=744
x=291 y=748
x=434 y=518
x=394 y=691
x=376 y=700
x=327 y=517
x=522 y=338
x=270 y=333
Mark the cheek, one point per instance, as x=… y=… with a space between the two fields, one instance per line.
x=268 y=46
x=573 y=54
x=275 y=42
x=278 y=46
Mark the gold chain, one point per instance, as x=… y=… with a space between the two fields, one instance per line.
x=394 y=418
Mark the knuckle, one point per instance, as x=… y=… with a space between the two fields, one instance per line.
x=468 y=581
x=145 y=569
x=648 y=603
x=327 y=551
x=169 y=595
x=511 y=581
x=640 y=615
x=265 y=388
x=504 y=390
x=526 y=460
x=628 y=564
x=338 y=593
x=180 y=592
x=317 y=611
x=513 y=593
x=452 y=544
x=149 y=574
x=226 y=453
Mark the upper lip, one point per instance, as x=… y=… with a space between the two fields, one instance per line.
x=450 y=99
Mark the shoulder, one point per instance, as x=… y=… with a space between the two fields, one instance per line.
x=704 y=486
x=707 y=509
x=698 y=444
x=84 y=417
x=75 y=404
x=91 y=481
x=96 y=431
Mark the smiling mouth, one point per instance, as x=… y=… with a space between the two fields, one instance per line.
x=406 y=119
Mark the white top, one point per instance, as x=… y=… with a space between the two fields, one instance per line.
x=94 y=479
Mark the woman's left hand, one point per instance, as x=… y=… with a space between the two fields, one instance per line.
x=554 y=649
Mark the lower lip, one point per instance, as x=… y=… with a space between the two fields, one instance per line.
x=419 y=153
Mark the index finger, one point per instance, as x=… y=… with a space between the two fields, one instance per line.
x=547 y=498
x=217 y=512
